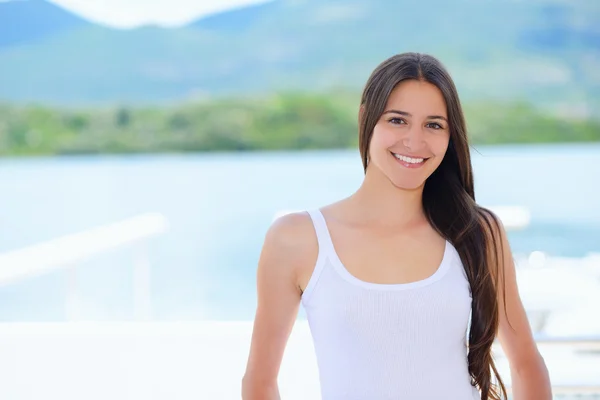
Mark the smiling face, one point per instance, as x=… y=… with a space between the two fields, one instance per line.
x=411 y=137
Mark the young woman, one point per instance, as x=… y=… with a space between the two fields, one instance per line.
x=407 y=282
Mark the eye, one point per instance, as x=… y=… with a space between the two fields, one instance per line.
x=397 y=121
x=434 y=125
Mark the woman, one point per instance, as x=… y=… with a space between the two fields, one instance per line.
x=407 y=282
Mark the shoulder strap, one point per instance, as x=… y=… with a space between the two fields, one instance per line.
x=323 y=236
x=325 y=251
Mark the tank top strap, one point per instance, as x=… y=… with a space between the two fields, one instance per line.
x=323 y=236
x=326 y=250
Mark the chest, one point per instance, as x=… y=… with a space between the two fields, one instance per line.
x=389 y=259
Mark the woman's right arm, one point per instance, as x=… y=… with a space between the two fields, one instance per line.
x=283 y=255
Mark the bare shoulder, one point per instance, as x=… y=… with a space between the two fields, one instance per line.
x=291 y=230
x=292 y=238
x=292 y=234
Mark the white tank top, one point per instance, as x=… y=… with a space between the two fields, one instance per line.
x=388 y=341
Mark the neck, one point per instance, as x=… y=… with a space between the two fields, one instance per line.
x=381 y=203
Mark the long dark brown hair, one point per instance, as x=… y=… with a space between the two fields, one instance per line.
x=449 y=204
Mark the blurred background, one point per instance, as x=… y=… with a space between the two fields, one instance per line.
x=146 y=147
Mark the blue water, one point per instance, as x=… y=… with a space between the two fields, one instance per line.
x=220 y=205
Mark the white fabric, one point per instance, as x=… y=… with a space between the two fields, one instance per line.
x=388 y=341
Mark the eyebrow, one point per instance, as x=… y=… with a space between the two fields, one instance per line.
x=406 y=114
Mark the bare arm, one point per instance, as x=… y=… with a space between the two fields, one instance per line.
x=284 y=252
x=529 y=375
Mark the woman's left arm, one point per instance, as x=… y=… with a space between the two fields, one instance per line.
x=529 y=375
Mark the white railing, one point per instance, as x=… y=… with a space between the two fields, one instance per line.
x=64 y=253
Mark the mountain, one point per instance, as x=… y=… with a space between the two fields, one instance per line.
x=237 y=20
x=544 y=51
x=23 y=21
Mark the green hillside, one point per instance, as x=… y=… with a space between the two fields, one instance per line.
x=286 y=121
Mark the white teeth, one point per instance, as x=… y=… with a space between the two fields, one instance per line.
x=409 y=159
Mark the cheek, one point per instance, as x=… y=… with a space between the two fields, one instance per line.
x=439 y=145
x=382 y=138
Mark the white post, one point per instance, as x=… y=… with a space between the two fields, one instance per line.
x=72 y=301
x=142 y=307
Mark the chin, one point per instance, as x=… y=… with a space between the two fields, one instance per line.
x=408 y=184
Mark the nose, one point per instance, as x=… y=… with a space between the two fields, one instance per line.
x=414 y=139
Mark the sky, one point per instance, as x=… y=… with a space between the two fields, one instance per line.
x=130 y=13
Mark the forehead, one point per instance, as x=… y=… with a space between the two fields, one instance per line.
x=417 y=98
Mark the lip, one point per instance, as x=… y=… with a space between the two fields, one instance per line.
x=407 y=164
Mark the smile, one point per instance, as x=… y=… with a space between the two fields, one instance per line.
x=410 y=162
